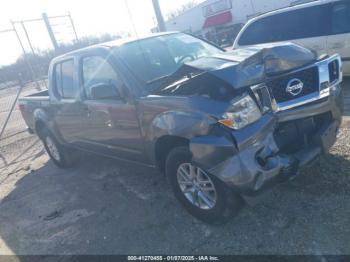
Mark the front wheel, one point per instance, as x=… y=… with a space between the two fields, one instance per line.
x=62 y=156
x=203 y=195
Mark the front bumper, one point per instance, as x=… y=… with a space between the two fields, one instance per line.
x=253 y=160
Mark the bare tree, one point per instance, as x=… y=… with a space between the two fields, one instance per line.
x=182 y=9
x=41 y=60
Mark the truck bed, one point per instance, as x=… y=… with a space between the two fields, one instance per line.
x=40 y=94
x=28 y=104
x=35 y=98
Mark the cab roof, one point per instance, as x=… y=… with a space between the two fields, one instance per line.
x=113 y=44
x=127 y=40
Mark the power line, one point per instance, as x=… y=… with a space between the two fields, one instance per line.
x=131 y=19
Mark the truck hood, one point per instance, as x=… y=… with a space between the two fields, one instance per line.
x=241 y=67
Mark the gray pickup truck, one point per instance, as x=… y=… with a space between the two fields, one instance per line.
x=220 y=125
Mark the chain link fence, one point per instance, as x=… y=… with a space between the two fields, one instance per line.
x=24 y=77
x=28 y=75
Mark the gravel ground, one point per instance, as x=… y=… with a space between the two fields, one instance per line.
x=107 y=207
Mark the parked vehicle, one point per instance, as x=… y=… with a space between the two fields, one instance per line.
x=219 y=125
x=323 y=26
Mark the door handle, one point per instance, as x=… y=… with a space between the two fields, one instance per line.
x=86 y=111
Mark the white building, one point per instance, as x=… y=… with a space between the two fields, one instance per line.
x=220 y=20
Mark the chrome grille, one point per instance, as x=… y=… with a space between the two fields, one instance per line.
x=309 y=77
x=333 y=69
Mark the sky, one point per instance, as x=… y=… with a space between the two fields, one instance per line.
x=91 y=17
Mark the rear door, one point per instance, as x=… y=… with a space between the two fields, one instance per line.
x=68 y=107
x=111 y=124
x=307 y=27
x=339 y=38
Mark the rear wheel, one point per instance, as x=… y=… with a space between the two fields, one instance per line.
x=203 y=195
x=61 y=155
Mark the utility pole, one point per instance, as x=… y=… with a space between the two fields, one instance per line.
x=27 y=36
x=160 y=19
x=29 y=65
x=49 y=30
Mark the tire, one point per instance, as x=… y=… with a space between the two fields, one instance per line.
x=221 y=203
x=62 y=156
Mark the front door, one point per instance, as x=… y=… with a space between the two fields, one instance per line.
x=111 y=124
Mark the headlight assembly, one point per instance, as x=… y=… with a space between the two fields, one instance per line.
x=242 y=112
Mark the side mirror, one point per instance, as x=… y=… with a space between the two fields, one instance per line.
x=104 y=91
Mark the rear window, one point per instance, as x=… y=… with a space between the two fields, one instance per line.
x=58 y=80
x=297 y=24
x=64 y=80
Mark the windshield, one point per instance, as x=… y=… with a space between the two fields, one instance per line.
x=155 y=58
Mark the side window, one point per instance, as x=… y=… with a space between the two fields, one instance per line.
x=69 y=89
x=96 y=70
x=58 y=80
x=340 y=19
x=64 y=80
x=256 y=33
x=296 y=24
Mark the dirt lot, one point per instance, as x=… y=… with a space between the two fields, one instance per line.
x=107 y=207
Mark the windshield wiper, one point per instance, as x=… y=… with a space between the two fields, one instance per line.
x=158 y=79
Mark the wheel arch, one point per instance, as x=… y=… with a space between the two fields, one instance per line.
x=164 y=145
x=171 y=129
x=43 y=122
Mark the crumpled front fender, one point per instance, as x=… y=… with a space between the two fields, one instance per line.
x=247 y=161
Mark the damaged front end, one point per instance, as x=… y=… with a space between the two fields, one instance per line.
x=294 y=129
x=262 y=159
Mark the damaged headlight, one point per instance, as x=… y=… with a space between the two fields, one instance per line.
x=242 y=112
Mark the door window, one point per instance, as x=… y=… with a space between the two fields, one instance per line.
x=297 y=24
x=96 y=70
x=64 y=80
x=340 y=19
x=58 y=80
